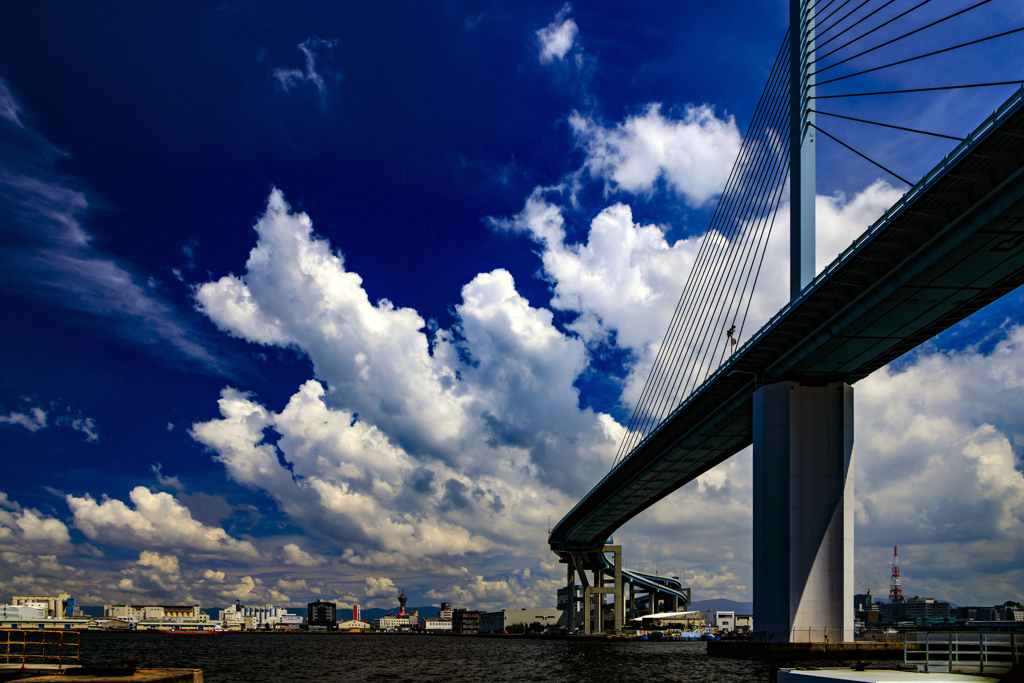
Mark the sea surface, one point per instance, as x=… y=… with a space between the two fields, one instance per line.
x=278 y=658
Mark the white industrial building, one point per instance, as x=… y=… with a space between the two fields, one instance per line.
x=251 y=617
x=722 y=621
x=32 y=610
x=436 y=625
x=393 y=623
x=135 y=614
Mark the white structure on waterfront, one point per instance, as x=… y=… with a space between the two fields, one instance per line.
x=393 y=623
x=32 y=610
x=258 y=616
x=53 y=604
x=352 y=624
x=436 y=625
x=723 y=622
x=134 y=614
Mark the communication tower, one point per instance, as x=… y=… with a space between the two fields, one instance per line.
x=895 y=590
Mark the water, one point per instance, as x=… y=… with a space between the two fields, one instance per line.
x=279 y=658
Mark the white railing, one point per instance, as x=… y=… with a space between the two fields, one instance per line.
x=963 y=652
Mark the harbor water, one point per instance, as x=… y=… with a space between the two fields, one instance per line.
x=278 y=658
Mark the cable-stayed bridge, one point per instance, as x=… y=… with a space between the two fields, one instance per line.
x=951 y=245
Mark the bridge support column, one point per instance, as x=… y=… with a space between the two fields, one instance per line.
x=803 y=513
x=570 y=618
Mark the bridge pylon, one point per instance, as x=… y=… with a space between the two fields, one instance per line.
x=802 y=167
x=803 y=513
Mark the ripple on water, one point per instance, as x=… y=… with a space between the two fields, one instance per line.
x=276 y=658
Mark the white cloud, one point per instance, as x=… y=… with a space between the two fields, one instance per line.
x=251 y=590
x=9 y=106
x=33 y=420
x=310 y=48
x=557 y=38
x=693 y=155
x=157 y=521
x=28 y=530
x=380 y=586
x=168 y=564
x=295 y=556
x=501 y=394
x=83 y=424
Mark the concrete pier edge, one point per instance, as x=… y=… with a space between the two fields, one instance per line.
x=789 y=652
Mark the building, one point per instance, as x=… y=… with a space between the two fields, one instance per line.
x=289 y=621
x=445 y=612
x=688 y=621
x=56 y=606
x=744 y=623
x=354 y=624
x=913 y=609
x=498 y=622
x=435 y=625
x=721 y=621
x=256 y=616
x=135 y=614
x=32 y=610
x=563 y=597
x=322 y=614
x=465 y=621
x=395 y=622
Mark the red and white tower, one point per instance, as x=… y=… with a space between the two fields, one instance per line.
x=401 y=601
x=895 y=590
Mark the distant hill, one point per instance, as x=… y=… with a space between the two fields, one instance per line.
x=723 y=605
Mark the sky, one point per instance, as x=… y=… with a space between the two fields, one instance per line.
x=337 y=300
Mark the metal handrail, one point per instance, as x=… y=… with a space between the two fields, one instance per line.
x=34 y=651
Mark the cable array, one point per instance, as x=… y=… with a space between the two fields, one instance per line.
x=710 y=316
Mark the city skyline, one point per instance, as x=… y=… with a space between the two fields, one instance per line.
x=330 y=302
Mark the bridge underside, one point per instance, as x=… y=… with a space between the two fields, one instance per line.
x=951 y=246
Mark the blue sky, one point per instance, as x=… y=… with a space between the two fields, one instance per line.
x=329 y=300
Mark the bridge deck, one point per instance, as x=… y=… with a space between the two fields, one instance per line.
x=952 y=245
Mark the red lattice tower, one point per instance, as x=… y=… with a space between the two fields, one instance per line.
x=895 y=590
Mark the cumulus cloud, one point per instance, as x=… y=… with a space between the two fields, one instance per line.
x=379 y=586
x=295 y=556
x=156 y=521
x=693 y=155
x=496 y=392
x=939 y=471
x=29 y=530
x=556 y=39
